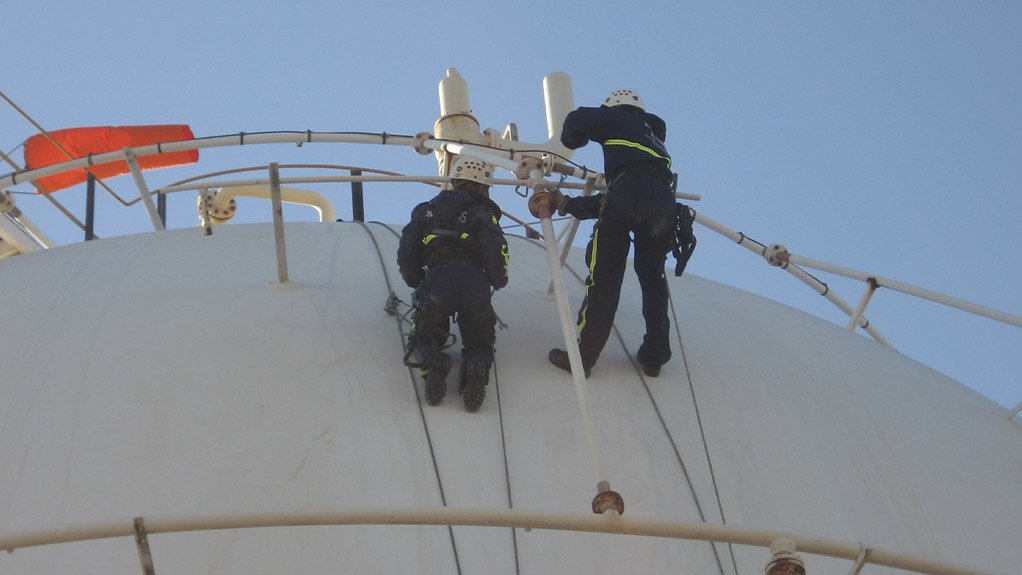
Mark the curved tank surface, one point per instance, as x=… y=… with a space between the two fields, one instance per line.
x=170 y=376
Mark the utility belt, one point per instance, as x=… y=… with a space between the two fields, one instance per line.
x=653 y=169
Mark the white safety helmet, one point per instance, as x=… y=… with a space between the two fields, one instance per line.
x=473 y=170
x=624 y=97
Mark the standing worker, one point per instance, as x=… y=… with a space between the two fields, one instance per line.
x=639 y=201
x=452 y=252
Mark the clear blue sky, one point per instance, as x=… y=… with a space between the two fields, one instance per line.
x=881 y=136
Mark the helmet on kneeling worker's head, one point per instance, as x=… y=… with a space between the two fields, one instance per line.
x=473 y=170
x=624 y=97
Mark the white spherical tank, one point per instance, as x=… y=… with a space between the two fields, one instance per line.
x=169 y=377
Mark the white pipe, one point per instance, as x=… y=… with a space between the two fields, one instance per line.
x=795 y=271
x=840 y=303
x=487 y=155
x=454 y=94
x=19 y=230
x=518 y=221
x=205 y=184
x=867 y=295
x=315 y=200
x=559 y=98
x=571 y=343
x=528 y=520
x=912 y=290
x=143 y=190
x=297 y=138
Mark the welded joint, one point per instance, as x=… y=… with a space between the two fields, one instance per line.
x=145 y=556
x=784 y=560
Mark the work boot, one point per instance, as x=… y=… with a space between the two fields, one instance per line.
x=436 y=378
x=475 y=374
x=649 y=368
x=559 y=357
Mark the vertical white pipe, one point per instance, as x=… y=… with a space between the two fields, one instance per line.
x=559 y=98
x=454 y=94
x=571 y=343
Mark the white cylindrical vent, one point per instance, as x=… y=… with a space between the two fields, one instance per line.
x=559 y=97
x=454 y=94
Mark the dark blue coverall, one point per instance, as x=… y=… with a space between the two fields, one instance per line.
x=453 y=251
x=639 y=201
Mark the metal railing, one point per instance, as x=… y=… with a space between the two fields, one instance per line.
x=530 y=166
x=141 y=528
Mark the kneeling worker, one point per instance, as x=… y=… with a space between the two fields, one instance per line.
x=453 y=252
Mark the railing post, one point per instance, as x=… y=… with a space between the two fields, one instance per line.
x=90 y=207
x=358 y=212
x=278 y=222
x=145 y=555
x=161 y=207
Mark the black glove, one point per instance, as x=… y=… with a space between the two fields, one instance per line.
x=583 y=208
x=559 y=200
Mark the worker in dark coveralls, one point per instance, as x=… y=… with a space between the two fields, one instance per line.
x=640 y=202
x=453 y=252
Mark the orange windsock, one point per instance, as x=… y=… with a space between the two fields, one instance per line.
x=80 y=142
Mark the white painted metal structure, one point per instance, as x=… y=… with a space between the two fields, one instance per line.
x=141 y=381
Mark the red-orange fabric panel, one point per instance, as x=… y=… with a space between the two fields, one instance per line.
x=79 y=142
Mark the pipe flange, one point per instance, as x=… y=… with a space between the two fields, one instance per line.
x=784 y=560
x=207 y=207
x=607 y=501
x=419 y=146
x=541 y=203
x=777 y=255
x=528 y=164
